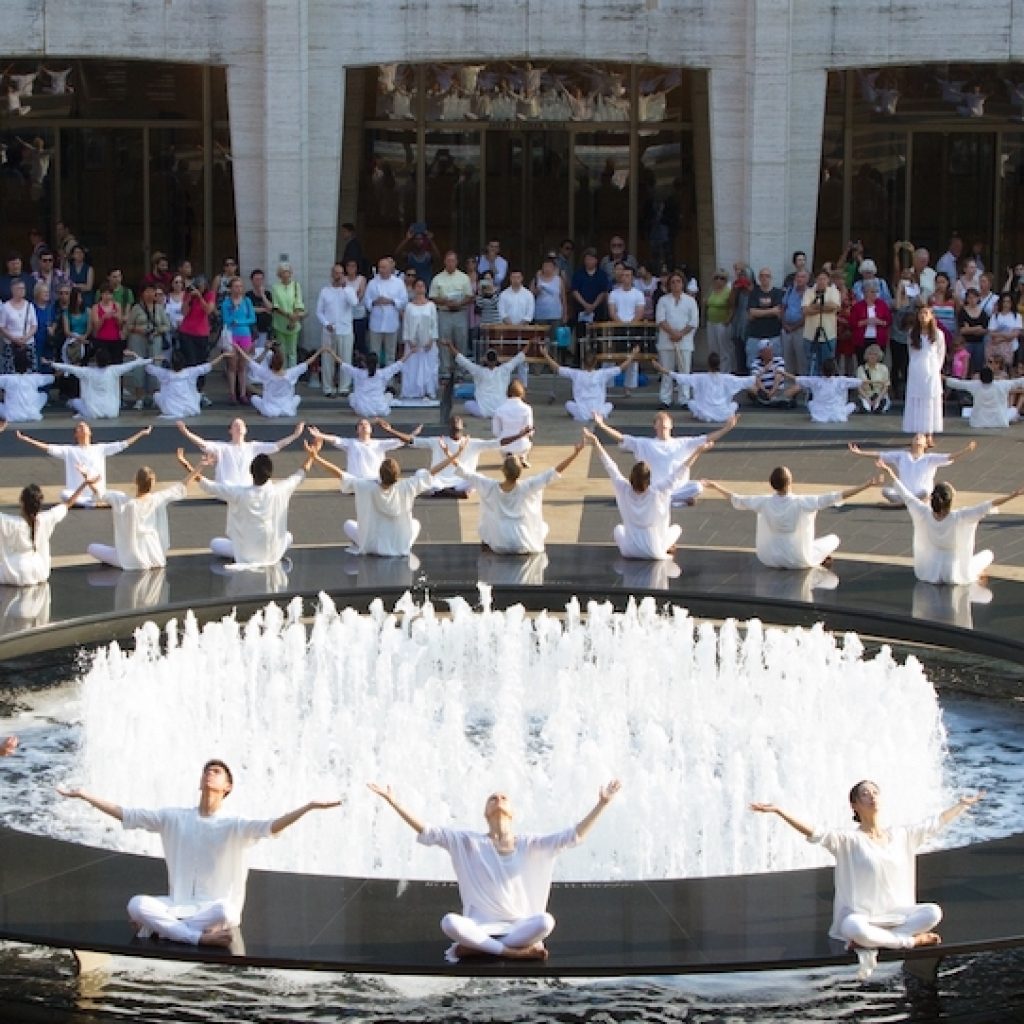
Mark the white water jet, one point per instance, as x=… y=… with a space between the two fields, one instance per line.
x=696 y=721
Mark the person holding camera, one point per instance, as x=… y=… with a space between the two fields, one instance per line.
x=820 y=304
x=148 y=328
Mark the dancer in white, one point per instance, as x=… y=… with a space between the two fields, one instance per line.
x=448 y=483
x=922 y=408
x=511 y=509
x=84 y=459
x=420 y=335
x=512 y=422
x=370 y=396
x=915 y=467
x=646 y=530
x=23 y=399
x=141 y=534
x=785 y=521
x=504 y=878
x=590 y=385
x=490 y=380
x=830 y=393
x=944 y=537
x=278 y=398
x=875 y=903
x=384 y=524
x=205 y=850
x=25 y=538
x=665 y=453
x=365 y=453
x=257 y=514
x=179 y=395
x=712 y=393
x=100 y=384
x=233 y=458
x=991 y=409
x=334 y=310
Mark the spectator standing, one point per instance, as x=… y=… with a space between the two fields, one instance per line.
x=764 y=316
x=385 y=298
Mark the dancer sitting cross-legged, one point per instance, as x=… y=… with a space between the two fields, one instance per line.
x=205 y=850
x=875 y=902
x=504 y=877
x=915 y=466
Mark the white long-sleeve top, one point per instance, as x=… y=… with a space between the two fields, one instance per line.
x=368 y=392
x=279 y=398
x=712 y=399
x=916 y=474
x=874 y=878
x=516 y=306
x=141 y=534
x=24 y=562
x=468 y=460
x=510 y=418
x=178 y=396
x=678 y=314
x=92 y=458
x=991 y=410
x=665 y=457
x=234 y=460
x=384 y=521
x=512 y=522
x=257 y=518
x=101 y=386
x=647 y=516
x=830 y=397
x=590 y=387
x=498 y=889
x=363 y=458
x=22 y=398
x=334 y=307
x=785 y=526
x=205 y=854
x=419 y=324
x=385 y=318
x=491 y=386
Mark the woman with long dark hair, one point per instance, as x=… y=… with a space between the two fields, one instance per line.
x=922 y=410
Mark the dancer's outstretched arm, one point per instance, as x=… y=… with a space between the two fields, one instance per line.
x=114 y=810
x=41 y=445
x=996 y=502
x=450 y=457
x=966 y=450
x=568 y=460
x=723 y=430
x=293 y=436
x=610 y=431
x=199 y=442
x=875 y=481
x=965 y=803
x=385 y=793
x=280 y=824
x=388 y=429
x=605 y=796
x=715 y=486
x=144 y=432
x=802 y=827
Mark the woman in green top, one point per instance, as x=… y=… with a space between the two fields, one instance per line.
x=718 y=310
x=289 y=310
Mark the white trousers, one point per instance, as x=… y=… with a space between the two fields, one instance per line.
x=585 y=413
x=861 y=930
x=689 y=491
x=677 y=360
x=524 y=933
x=896 y=497
x=154 y=916
x=104 y=553
x=340 y=346
x=223 y=548
x=351 y=528
x=473 y=409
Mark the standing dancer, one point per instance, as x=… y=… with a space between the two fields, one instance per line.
x=875 y=902
x=922 y=409
x=234 y=457
x=914 y=466
x=205 y=851
x=504 y=878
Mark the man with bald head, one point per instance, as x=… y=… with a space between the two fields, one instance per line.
x=764 y=316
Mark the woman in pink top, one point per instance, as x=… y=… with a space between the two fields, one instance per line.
x=106 y=319
x=194 y=332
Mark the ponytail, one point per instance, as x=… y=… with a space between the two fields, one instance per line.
x=31 y=505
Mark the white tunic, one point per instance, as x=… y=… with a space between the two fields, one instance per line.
x=490 y=387
x=916 y=474
x=22 y=398
x=512 y=522
x=712 y=399
x=335 y=305
x=510 y=418
x=205 y=855
x=498 y=889
x=141 y=535
x=516 y=305
x=922 y=408
x=363 y=458
x=178 y=396
x=384 y=521
x=279 y=398
x=589 y=391
x=369 y=396
x=991 y=410
x=830 y=397
x=22 y=562
x=92 y=458
x=944 y=548
x=872 y=878
x=101 y=386
x=468 y=459
x=785 y=528
x=419 y=330
x=678 y=314
x=646 y=517
x=234 y=460
x=257 y=518
x=665 y=457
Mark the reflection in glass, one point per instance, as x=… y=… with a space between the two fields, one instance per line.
x=1011 y=178
x=136 y=589
x=453 y=189
x=395 y=95
x=225 y=238
x=952 y=605
x=26 y=179
x=601 y=186
x=176 y=192
x=24 y=607
x=666 y=204
x=387 y=189
x=879 y=192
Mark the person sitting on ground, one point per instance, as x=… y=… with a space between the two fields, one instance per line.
x=490 y=379
x=205 y=851
x=785 y=521
x=512 y=423
x=711 y=393
x=141 y=535
x=100 y=384
x=370 y=395
x=646 y=530
x=179 y=394
x=24 y=391
x=278 y=398
x=873 y=374
x=875 y=903
x=769 y=371
x=829 y=393
x=944 y=538
x=511 y=510
x=590 y=385
x=915 y=466
x=991 y=409
x=365 y=453
x=504 y=878
x=233 y=458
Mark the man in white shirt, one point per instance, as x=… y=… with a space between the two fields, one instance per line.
x=385 y=297
x=334 y=311
x=626 y=306
x=234 y=457
x=678 y=318
x=452 y=292
x=504 y=878
x=516 y=306
x=991 y=409
x=492 y=260
x=490 y=379
x=365 y=453
x=513 y=423
x=205 y=851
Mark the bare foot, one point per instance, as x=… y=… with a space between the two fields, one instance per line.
x=927 y=939
x=672 y=550
x=216 y=937
x=826 y=563
x=538 y=951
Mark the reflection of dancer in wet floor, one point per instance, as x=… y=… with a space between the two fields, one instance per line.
x=915 y=466
x=646 y=530
x=944 y=538
x=141 y=535
x=504 y=878
x=785 y=521
x=875 y=902
x=205 y=851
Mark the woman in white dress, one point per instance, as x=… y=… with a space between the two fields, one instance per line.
x=922 y=408
x=420 y=334
x=944 y=538
x=875 y=901
x=25 y=538
x=511 y=509
x=370 y=397
x=278 y=398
